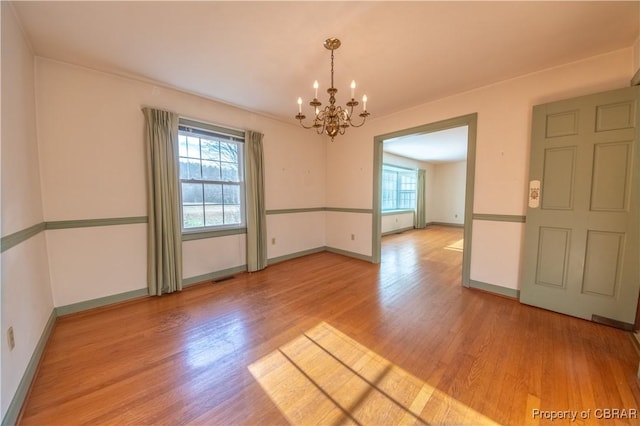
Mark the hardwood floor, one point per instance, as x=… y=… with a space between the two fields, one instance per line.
x=185 y=358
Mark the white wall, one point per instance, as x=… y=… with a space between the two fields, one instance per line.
x=397 y=221
x=448 y=194
x=294 y=233
x=92 y=163
x=502 y=152
x=26 y=295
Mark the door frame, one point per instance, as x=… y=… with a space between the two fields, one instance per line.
x=469 y=120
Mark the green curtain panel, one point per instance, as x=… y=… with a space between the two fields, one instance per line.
x=421 y=221
x=164 y=242
x=256 y=216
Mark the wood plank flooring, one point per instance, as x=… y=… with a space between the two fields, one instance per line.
x=184 y=358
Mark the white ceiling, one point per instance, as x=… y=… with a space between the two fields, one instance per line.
x=262 y=55
x=436 y=147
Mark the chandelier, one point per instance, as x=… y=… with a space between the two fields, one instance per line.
x=332 y=119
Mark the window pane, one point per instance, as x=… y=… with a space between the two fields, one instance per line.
x=182 y=145
x=192 y=216
x=231 y=194
x=191 y=193
x=229 y=152
x=389 y=184
x=210 y=170
x=232 y=214
x=210 y=149
x=194 y=169
x=193 y=147
x=213 y=194
x=230 y=172
x=184 y=168
x=214 y=215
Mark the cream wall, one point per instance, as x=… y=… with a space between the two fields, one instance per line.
x=26 y=302
x=636 y=55
x=448 y=194
x=390 y=223
x=502 y=152
x=91 y=139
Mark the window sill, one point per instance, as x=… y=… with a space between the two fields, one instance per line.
x=400 y=211
x=211 y=233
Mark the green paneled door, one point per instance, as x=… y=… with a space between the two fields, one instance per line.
x=582 y=230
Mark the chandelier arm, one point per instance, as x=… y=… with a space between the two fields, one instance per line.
x=364 y=118
x=306 y=127
x=301 y=117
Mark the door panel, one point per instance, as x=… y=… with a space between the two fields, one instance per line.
x=603 y=262
x=615 y=116
x=581 y=243
x=559 y=178
x=553 y=256
x=611 y=176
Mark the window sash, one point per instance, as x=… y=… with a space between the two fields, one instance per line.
x=210 y=205
x=399 y=188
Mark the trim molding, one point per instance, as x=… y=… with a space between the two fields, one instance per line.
x=101 y=301
x=344 y=210
x=290 y=256
x=500 y=217
x=186 y=282
x=469 y=120
x=87 y=223
x=291 y=211
x=16 y=238
x=397 y=212
x=495 y=289
x=21 y=236
x=397 y=231
x=13 y=411
x=318 y=209
x=635 y=81
x=213 y=234
x=350 y=254
x=452 y=225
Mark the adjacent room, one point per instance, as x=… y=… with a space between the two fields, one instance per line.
x=443 y=229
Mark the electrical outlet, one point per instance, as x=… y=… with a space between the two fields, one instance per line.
x=11 y=338
x=353 y=237
x=273 y=241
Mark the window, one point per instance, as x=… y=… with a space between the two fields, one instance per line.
x=398 y=188
x=211 y=177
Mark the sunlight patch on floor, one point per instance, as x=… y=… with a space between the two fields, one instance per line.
x=457 y=246
x=325 y=377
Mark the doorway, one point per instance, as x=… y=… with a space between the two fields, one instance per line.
x=470 y=121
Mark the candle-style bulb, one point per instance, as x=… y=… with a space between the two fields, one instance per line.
x=299 y=105
x=315 y=86
x=353 y=88
x=364 y=101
